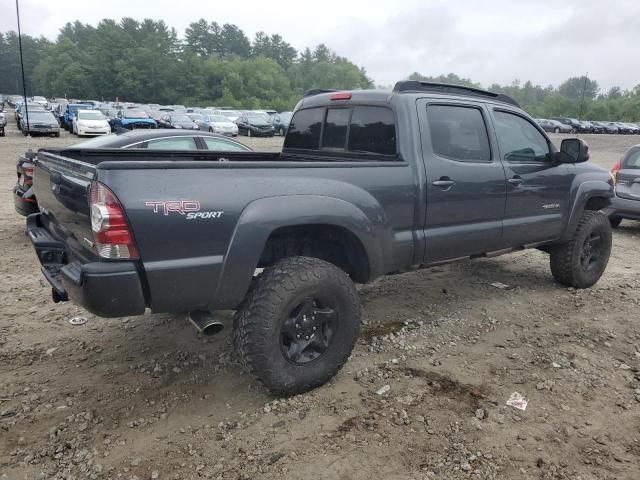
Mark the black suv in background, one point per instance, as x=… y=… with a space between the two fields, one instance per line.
x=255 y=124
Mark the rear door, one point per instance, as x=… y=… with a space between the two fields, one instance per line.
x=628 y=177
x=538 y=187
x=465 y=181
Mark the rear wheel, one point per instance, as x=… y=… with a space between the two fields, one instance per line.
x=298 y=324
x=557 y=130
x=248 y=132
x=582 y=260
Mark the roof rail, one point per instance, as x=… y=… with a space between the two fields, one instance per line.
x=318 y=91
x=418 y=86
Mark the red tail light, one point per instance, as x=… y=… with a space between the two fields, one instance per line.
x=615 y=169
x=111 y=231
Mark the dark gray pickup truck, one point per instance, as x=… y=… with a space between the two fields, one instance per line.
x=368 y=183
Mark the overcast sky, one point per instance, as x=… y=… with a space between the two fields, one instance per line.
x=488 y=41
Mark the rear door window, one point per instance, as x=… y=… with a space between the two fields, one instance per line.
x=458 y=133
x=173 y=143
x=222 y=145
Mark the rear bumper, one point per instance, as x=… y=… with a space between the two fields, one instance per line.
x=625 y=208
x=106 y=289
x=94 y=131
x=24 y=201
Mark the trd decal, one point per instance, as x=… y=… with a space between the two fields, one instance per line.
x=188 y=208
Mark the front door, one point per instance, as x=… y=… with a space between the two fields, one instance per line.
x=465 y=181
x=538 y=187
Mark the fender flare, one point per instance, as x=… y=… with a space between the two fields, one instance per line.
x=263 y=216
x=586 y=191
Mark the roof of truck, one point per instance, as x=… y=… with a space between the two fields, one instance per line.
x=320 y=96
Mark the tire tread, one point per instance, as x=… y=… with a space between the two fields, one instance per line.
x=253 y=318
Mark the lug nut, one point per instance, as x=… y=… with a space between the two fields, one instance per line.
x=314 y=329
x=297 y=336
x=307 y=337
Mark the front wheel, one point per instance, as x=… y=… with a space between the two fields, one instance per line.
x=582 y=260
x=298 y=324
x=248 y=132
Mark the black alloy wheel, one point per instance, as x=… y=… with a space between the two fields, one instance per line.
x=307 y=332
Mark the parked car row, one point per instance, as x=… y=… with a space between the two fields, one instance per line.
x=225 y=121
x=245 y=122
x=572 y=125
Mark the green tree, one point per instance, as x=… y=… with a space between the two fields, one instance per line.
x=577 y=87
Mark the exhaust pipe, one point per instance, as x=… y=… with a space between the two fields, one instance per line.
x=205 y=322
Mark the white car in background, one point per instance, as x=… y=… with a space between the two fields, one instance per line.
x=232 y=115
x=90 y=122
x=218 y=124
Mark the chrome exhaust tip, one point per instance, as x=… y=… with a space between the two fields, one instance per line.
x=205 y=322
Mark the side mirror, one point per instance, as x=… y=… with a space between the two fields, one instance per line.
x=573 y=150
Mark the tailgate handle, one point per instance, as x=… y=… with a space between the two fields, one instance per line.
x=55 y=178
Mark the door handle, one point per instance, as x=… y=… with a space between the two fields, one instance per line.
x=516 y=180
x=444 y=182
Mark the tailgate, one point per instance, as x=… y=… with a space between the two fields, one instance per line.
x=62 y=188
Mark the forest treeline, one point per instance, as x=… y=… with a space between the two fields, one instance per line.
x=218 y=64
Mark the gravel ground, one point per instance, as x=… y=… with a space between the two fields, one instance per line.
x=422 y=397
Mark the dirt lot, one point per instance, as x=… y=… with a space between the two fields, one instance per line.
x=146 y=398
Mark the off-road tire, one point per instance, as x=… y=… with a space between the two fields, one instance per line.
x=615 y=221
x=565 y=259
x=269 y=302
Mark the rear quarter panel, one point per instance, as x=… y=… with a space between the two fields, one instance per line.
x=184 y=255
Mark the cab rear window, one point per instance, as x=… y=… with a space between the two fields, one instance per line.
x=304 y=129
x=356 y=129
